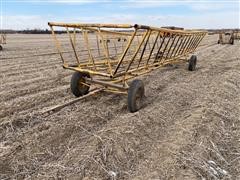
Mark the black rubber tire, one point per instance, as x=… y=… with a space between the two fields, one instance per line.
x=192 y=63
x=135 y=95
x=77 y=88
x=232 y=41
x=218 y=42
x=1 y=48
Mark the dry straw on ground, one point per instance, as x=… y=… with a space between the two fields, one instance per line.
x=188 y=129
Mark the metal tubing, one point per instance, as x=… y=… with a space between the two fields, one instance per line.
x=188 y=44
x=183 y=39
x=175 y=46
x=125 y=51
x=171 y=46
x=165 y=48
x=88 y=47
x=160 y=46
x=106 y=84
x=136 y=26
x=155 y=42
x=106 y=52
x=58 y=45
x=137 y=50
x=115 y=66
x=75 y=53
x=144 y=48
x=184 y=46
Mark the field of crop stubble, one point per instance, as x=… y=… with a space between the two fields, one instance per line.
x=189 y=128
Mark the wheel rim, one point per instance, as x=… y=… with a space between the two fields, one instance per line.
x=81 y=84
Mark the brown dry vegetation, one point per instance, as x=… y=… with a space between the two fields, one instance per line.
x=189 y=127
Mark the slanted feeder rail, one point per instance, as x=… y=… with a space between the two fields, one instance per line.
x=109 y=55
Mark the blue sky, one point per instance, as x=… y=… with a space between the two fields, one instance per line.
x=22 y=14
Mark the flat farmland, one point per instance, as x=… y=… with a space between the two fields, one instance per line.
x=189 y=127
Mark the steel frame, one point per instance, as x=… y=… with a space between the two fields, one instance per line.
x=3 y=39
x=141 y=49
x=237 y=35
x=225 y=39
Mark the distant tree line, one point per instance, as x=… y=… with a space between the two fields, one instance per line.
x=31 y=31
x=41 y=31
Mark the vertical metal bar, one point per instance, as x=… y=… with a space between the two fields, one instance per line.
x=195 y=37
x=122 y=44
x=74 y=36
x=115 y=48
x=98 y=45
x=171 y=46
x=185 y=44
x=85 y=35
x=194 y=43
x=175 y=46
x=137 y=50
x=58 y=45
x=165 y=49
x=202 y=36
x=188 y=44
x=75 y=53
x=199 y=42
x=106 y=52
x=149 y=47
x=125 y=51
x=164 y=36
x=183 y=40
x=144 y=48
x=155 y=42
x=107 y=48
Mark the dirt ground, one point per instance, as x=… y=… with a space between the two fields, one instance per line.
x=189 y=127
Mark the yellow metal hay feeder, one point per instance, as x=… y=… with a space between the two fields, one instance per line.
x=109 y=55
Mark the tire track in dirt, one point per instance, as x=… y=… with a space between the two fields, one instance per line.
x=178 y=132
x=32 y=101
x=31 y=88
x=124 y=119
x=77 y=112
x=33 y=62
x=92 y=123
x=22 y=74
x=30 y=63
x=58 y=74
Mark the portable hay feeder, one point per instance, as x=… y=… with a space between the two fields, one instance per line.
x=109 y=55
x=237 y=35
x=226 y=38
x=2 y=41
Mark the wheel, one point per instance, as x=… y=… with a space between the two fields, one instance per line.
x=192 y=63
x=135 y=95
x=77 y=86
x=232 y=41
x=218 y=42
x=1 y=48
